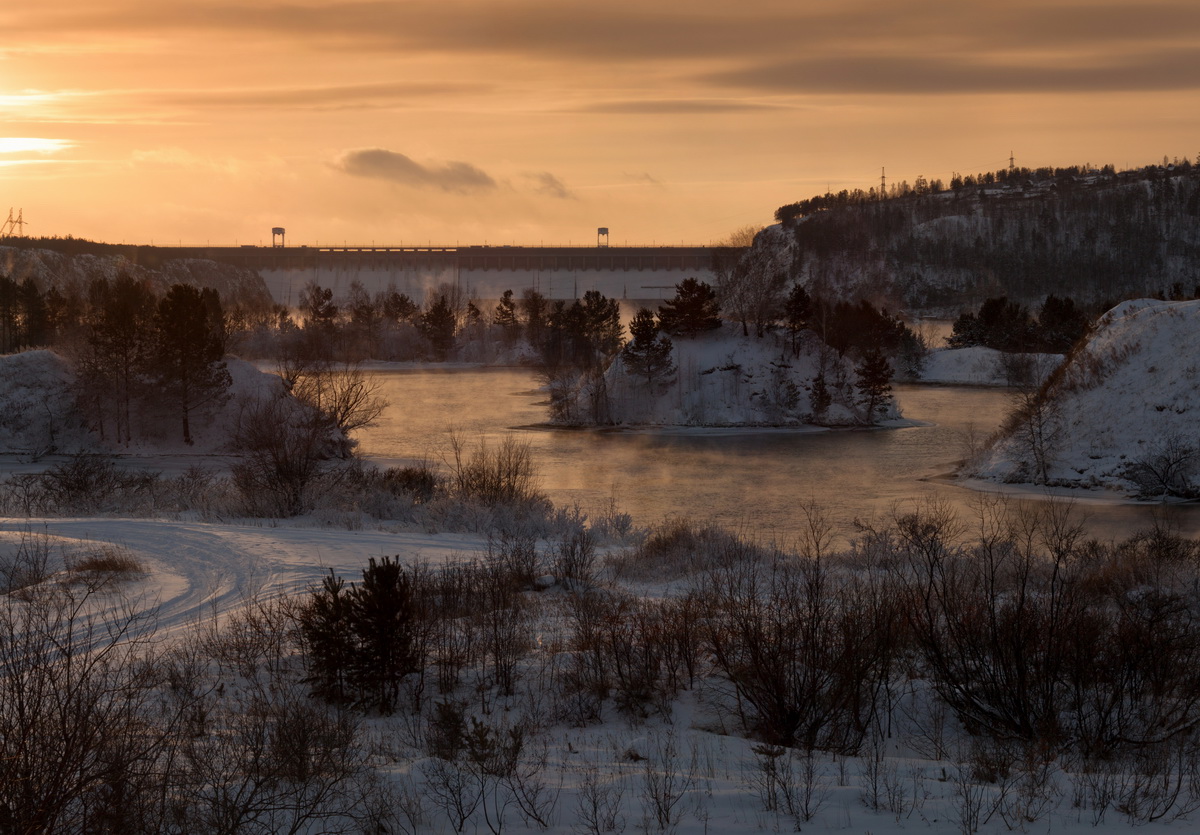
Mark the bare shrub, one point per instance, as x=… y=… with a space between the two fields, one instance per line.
x=881 y=787
x=420 y=481
x=490 y=770
x=397 y=805
x=24 y=494
x=283 y=447
x=1031 y=634
x=1036 y=417
x=516 y=552
x=1032 y=792
x=613 y=523
x=258 y=754
x=81 y=482
x=28 y=564
x=342 y=391
x=598 y=803
x=587 y=680
x=969 y=799
x=192 y=489
x=679 y=547
x=86 y=484
x=452 y=790
x=574 y=559
x=1167 y=468
x=82 y=736
x=101 y=567
x=493 y=474
x=807 y=652
x=771 y=775
x=666 y=781
x=269 y=759
x=503 y=624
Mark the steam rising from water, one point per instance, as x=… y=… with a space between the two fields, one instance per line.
x=750 y=481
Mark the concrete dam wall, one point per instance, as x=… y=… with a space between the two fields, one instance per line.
x=635 y=274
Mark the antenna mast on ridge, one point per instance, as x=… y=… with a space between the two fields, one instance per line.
x=1012 y=162
x=882 y=183
x=14 y=224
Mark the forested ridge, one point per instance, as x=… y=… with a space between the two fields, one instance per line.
x=1095 y=235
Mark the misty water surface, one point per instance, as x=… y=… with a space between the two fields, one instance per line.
x=745 y=480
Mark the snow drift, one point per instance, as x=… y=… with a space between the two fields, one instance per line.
x=1120 y=413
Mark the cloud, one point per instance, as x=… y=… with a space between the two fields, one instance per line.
x=674 y=107
x=968 y=73
x=381 y=164
x=550 y=185
x=315 y=98
x=645 y=178
x=788 y=46
x=635 y=30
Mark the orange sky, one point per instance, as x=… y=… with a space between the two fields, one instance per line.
x=523 y=121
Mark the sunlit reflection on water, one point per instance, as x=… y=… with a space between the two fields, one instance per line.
x=750 y=481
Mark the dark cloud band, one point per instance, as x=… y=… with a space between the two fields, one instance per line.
x=918 y=46
x=381 y=164
x=932 y=75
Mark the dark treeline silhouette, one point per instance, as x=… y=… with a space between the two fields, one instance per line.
x=1009 y=326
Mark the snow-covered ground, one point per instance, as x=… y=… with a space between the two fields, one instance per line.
x=686 y=771
x=1130 y=396
x=693 y=755
x=196 y=570
x=974 y=366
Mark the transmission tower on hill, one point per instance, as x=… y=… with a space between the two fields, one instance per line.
x=16 y=224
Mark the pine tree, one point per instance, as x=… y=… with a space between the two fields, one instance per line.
x=535 y=308
x=437 y=324
x=325 y=625
x=121 y=338
x=320 y=319
x=874 y=382
x=382 y=619
x=820 y=398
x=398 y=307
x=648 y=354
x=693 y=310
x=1060 y=324
x=35 y=321
x=599 y=319
x=188 y=363
x=505 y=316
x=797 y=313
x=10 y=322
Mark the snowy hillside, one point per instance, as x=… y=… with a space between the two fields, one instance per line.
x=1121 y=414
x=37 y=406
x=725 y=379
x=39 y=413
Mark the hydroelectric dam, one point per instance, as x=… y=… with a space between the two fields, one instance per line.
x=633 y=273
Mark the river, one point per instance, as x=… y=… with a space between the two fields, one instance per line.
x=747 y=480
